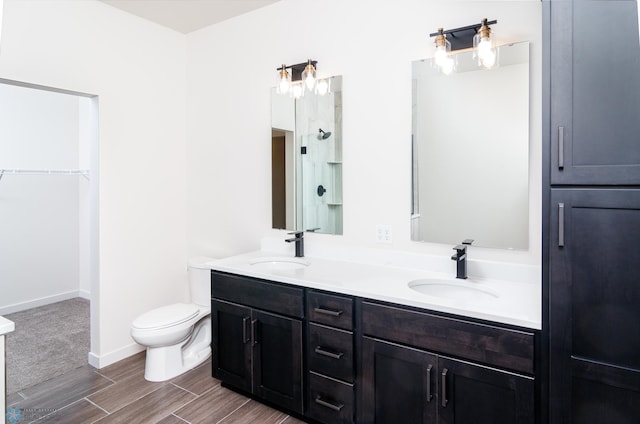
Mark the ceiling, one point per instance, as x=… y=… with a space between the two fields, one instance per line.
x=187 y=15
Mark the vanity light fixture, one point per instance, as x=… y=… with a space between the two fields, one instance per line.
x=302 y=77
x=477 y=36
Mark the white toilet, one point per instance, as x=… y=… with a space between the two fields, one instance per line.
x=178 y=336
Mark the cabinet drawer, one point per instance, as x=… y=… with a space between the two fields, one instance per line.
x=259 y=294
x=336 y=311
x=330 y=352
x=330 y=401
x=501 y=347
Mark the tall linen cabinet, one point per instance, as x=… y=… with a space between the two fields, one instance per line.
x=591 y=219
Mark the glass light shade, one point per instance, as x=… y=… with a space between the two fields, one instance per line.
x=448 y=66
x=322 y=87
x=483 y=49
x=297 y=90
x=309 y=75
x=443 y=48
x=284 y=80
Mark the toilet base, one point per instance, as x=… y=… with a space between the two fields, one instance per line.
x=167 y=362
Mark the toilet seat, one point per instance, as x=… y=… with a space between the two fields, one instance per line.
x=166 y=316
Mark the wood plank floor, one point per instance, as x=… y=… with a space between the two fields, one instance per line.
x=120 y=394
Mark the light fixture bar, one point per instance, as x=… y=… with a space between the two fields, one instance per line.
x=462 y=38
x=298 y=68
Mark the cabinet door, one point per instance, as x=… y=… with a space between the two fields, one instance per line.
x=473 y=394
x=231 y=343
x=594 y=298
x=398 y=384
x=595 y=93
x=277 y=356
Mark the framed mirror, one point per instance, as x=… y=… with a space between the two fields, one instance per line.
x=470 y=147
x=306 y=160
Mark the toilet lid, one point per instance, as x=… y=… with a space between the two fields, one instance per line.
x=166 y=316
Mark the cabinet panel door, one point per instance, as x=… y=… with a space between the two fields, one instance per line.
x=398 y=384
x=595 y=93
x=594 y=295
x=473 y=394
x=277 y=356
x=231 y=343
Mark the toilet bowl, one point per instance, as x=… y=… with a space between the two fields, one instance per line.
x=178 y=336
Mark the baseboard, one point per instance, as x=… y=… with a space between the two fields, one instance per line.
x=101 y=361
x=85 y=294
x=34 y=303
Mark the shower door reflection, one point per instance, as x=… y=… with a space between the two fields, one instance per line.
x=307 y=161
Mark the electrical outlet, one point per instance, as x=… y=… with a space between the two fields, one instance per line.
x=383 y=233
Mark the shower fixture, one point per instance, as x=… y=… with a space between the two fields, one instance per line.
x=322 y=135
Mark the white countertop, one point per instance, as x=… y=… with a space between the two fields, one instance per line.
x=6 y=326
x=517 y=302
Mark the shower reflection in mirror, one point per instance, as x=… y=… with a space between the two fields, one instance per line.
x=306 y=156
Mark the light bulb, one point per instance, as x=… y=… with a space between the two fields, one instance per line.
x=447 y=66
x=309 y=75
x=296 y=91
x=488 y=59
x=322 y=87
x=284 y=80
x=440 y=55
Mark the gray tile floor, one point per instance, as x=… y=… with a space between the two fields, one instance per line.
x=120 y=394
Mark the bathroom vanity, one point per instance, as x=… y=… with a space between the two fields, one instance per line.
x=341 y=342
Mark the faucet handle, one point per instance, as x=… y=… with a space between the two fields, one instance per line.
x=461 y=248
x=312 y=230
x=297 y=233
x=467 y=241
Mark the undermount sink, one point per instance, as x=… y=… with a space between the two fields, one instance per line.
x=451 y=289
x=279 y=263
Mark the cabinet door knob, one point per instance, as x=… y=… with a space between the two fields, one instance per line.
x=444 y=388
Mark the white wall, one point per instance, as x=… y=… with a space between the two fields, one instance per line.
x=232 y=65
x=138 y=71
x=39 y=214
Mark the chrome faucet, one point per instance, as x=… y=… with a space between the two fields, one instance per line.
x=461 y=258
x=299 y=240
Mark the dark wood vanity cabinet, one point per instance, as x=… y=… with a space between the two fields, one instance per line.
x=595 y=306
x=257 y=338
x=591 y=218
x=408 y=375
x=594 y=93
x=336 y=359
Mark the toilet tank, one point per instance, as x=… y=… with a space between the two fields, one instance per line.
x=200 y=280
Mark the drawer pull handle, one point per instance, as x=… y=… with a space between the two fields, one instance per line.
x=254 y=332
x=329 y=405
x=560 y=224
x=444 y=388
x=429 y=395
x=245 y=333
x=328 y=312
x=560 y=147
x=320 y=351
